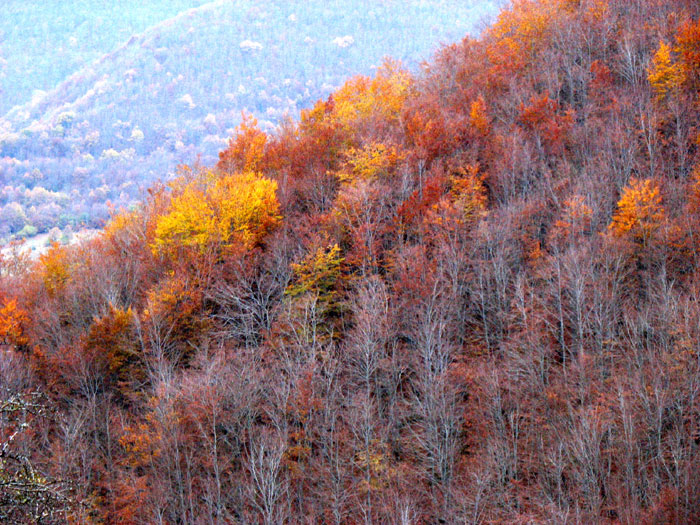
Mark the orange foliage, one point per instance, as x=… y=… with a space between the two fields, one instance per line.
x=688 y=50
x=500 y=312
x=518 y=33
x=245 y=149
x=312 y=146
x=479 y=116
x=55 y=269
x=13 y=321
x=130 y=500
x=602 y=76
x=694 y=190
x=415 y=207
x=174 y=313
x=381 y=98
x=112 y=340
x=427 y=130
x=639 y=211
x=575 y=221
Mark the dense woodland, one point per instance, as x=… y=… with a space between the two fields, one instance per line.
x=125 y=91
x=466 y=295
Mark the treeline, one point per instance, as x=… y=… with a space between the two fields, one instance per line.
x=463 y=296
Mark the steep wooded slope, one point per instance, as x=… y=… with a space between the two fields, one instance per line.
x=466 y=296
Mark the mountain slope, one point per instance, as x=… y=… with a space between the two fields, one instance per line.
x=466 y=295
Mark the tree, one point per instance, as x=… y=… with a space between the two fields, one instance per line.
x=112 y=342
x=373 y=161
x=318 y=274
x=639 y=212
x=56 y=269
x=479 y=116
x=216 y=212
x=665 y=75
x=313 y=297
x=373 y=105
x=246 y=148
x=688 y=50
x=13 y=322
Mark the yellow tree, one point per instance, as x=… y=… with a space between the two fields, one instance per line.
x=664 y=74
x=313 y=301
x=362 y=99
x=215 y=212
x=470 y=194
x=318 y=273
x=55 y=269
x=639 y=211
x=371 y=162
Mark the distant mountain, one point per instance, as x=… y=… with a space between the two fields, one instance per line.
x=175 y=91
x=42 y=43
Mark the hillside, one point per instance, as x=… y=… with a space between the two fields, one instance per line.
x=173 y=92
x=466 y=294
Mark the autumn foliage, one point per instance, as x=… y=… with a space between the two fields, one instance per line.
x=218 y=210
x=639 y=211
x=465 y=294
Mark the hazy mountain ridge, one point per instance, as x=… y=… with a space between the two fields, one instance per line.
x=43 y=43
x=177 y=89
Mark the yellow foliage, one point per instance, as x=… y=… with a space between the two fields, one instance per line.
x=370 y=162
x=470 y=194
x=664 y=74
x=384 y=95
x=318 y=273
x=213 y=211
x=639 y=211
x=120 y=222
x=55 y=269
x=376 y=461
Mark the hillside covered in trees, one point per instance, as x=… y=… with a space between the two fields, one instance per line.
x=464 y=295
x=100 y=100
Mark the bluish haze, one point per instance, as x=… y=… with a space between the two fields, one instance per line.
x=101 y=99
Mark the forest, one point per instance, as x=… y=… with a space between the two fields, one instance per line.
x=465 y=294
